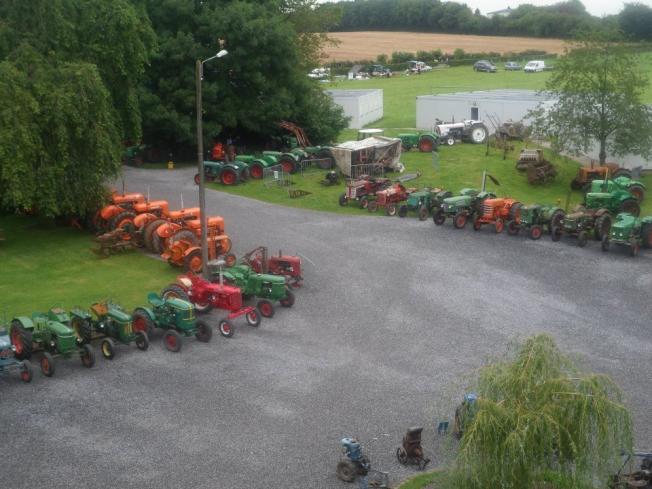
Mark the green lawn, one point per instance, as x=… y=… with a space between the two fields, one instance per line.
x=44 y=265
x=436 y=479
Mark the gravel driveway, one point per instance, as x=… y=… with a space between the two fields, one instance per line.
x=394 y=317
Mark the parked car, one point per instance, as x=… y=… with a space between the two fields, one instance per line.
x=380 y=70
x=534 y=66
x=512 y=66
x=319 y=73
x=418 y=66
x=486 y=66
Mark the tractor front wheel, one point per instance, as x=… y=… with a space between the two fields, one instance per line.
x=512 y=228
x=605 y=245
x=87 y=356
x=555 y=233
x=172 y=340
x=266 y=308
x=174 y=291
x=253 y=318
x=439 y=218
x=192 y=262
x=602 y=227
x=536 y=232
x=142 y=340
x=403 y=211
x=477 y=224
x=390 y=210
x=47 y=365
x=499 y=226
x=363 y=202
x=108 y=348
x=21 y=339
x=204 y=332
x=373 y=206
x=226 y=328
x=582 y=239
x=26 y=372
x=346 y=471
x=288 y=300
x=423 y=213
x=632 y=206
x=460 y=220
x=343 y=200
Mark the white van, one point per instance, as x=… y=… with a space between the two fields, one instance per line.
x=534 y=66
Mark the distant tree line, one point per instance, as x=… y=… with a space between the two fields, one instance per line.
x=563 y=20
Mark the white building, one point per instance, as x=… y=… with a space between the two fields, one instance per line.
x=362 y=106
x=500 y=13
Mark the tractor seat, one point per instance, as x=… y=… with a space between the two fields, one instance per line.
x=182 y=213
x=99 y=309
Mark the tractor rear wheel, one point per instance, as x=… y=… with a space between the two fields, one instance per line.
x=107 y=347
x=633 y=246
x=373 y=206
x=460 y=220
x=439 y=218
x=427 y=144
x=637 y=191
x=343 y=200
x=142 y=340
x=576 y=184
x=536 y=232
x=122 y=220
x=175 y=291
x=253 y=318
x=142 y=322
x=288 y=300
x=87 y=356
x=26 y=372
x=363 y=202
x=228 y=177
x=83 y=329
x=478 y=134
x=605 y=245
x=515 y=211
x=47 y=364
x=21 y=340
x=622 y=172
x=266 y=308
x=184 y=235
x=172 y=340
x=555 y=233
x=192 y=262
x=602 y=227
x=158 y=243
x=204 y=331
x=148 y=233
x=499 y=226
x=288 y=164
x=403 y=211
x=390 y=209
x=423 y=213
x=512 y=228
x=631 y=206
x=327 y=162
x=582 y=239
x=226 y=328
x=346 y=471
x=646 y=235
x=556 y=218
x=257 y=171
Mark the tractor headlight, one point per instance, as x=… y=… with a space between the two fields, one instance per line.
x=53 y=343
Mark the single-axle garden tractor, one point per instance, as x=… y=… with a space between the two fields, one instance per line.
x=582 y=223
x=51 y=334
x=586 y=174
x=175 y=316
x=362 y=190
x=469 y=130
x=629 y=230
x=634 y=187
x=205 y=295
x=424 y=202
x=390 y=198
x=288 y=266
x=227 y=173
x=535 y=219
x=461 y=208
x=265 y=287
x=425 y=142
x=108 y=322
x=498 y=212
x=353 y=462
x=9 y=362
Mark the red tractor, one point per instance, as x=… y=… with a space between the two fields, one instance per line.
x=363 y=190
x=389 y=198
x=288 y=266
x=497 y=212
x=182 y=248
x=205 y=295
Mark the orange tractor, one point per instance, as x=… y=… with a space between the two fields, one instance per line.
x=498 y=212
x=103 y=219
x=586 y=174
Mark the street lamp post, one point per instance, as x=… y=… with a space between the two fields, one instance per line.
x=199 y=75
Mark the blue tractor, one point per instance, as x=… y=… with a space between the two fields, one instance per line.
x=9 y=362
x=353 y=462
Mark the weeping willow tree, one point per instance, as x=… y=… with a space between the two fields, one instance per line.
x=543 y=423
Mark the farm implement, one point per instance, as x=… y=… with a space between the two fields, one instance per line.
x=173 y=315
x=205 y=295
x=631 y=231
x=411 y=451
x=108 y=322
x=8 y=362
x=390 y=198
x=535 y=219
x=424 y=202
x=362 y=190
x=52 y=334
x=288 y=266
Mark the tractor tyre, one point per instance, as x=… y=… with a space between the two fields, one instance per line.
x=288 y=300
x=21 y=340
x=83 y=329
x=226 y=328
x=582 y=239
x=257 y=171
x=515 y=211
x=253 y=318
x=631 y=206
x=555 y=233
x=327 y=162
x=192 y=262
x=646 y=235
x=26 y=372
x=512 y=228
x=266 y=308
x=197 y=179
x=172 y=340
x=121 y=220
x=477 y=224
x=403 y=211
x=556 y=218
x=459 y=221
x=602 y=227
x=288 y=164
x=427 y=144
x=363 y=202
x=576 y=184
x=47 y=364
x=450 y=141
x=142 y=322
x=605 y=245
x=346 y=471
x=633 y=246
x=225 y=246
x=87 y=356
x=423 y=213
x=203 y=308
x=373 y=206
x=637 y=191
x=158 y=243
x=148 y=233
x=204 y=331
x=142 y=340
x=107 y=347
x=185 y=235
x=439 y=218
x=401 y=456
x=622 y=172
x=478 y=134
x=228 y=177
x=499 y=226
x=536 y=232
x=175 y=291
x=390 y=210
x=343 y=200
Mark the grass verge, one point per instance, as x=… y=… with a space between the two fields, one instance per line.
x=437 y=479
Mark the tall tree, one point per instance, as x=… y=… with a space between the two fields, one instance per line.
x=636 y=21
x=598 y=85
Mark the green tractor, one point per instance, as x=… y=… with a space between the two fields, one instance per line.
x=109 y=322
x=462 y=207
x=175 y=316
x=267 y=288
x=611 y=197
x=424 y=202
x=230 y=173
x=48 y=332
x=629 y=230
x=634 y=187
x=534 y=219
x=583 y=223
x=258 y=164
x=425 y=142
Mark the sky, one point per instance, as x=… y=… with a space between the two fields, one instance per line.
x=595 y=7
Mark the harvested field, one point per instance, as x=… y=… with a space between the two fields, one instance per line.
x=369 y=44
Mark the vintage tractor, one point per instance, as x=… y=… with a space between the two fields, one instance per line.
x=119 y=203
x=227 y=173
x=147 y=223
x=353 y=462
x=205 y=295
x=182 y=248
x=634 y=187
x=497 y=212
x=469 y=130
x=109 y=322
x=411 y=452
x=425 y=142
x=629 y=230
x=48 y=332
x=586 y=174
x=535 y=219
x=390 y=198
x=258 y=164
x=288 y=266
x=461 y=208
x=175 y=316
x=583 y=222
x=267 y=288
x=302 y=149
x=363 y=190
x=424 y=202
x=615 y=200
x=9 y=362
